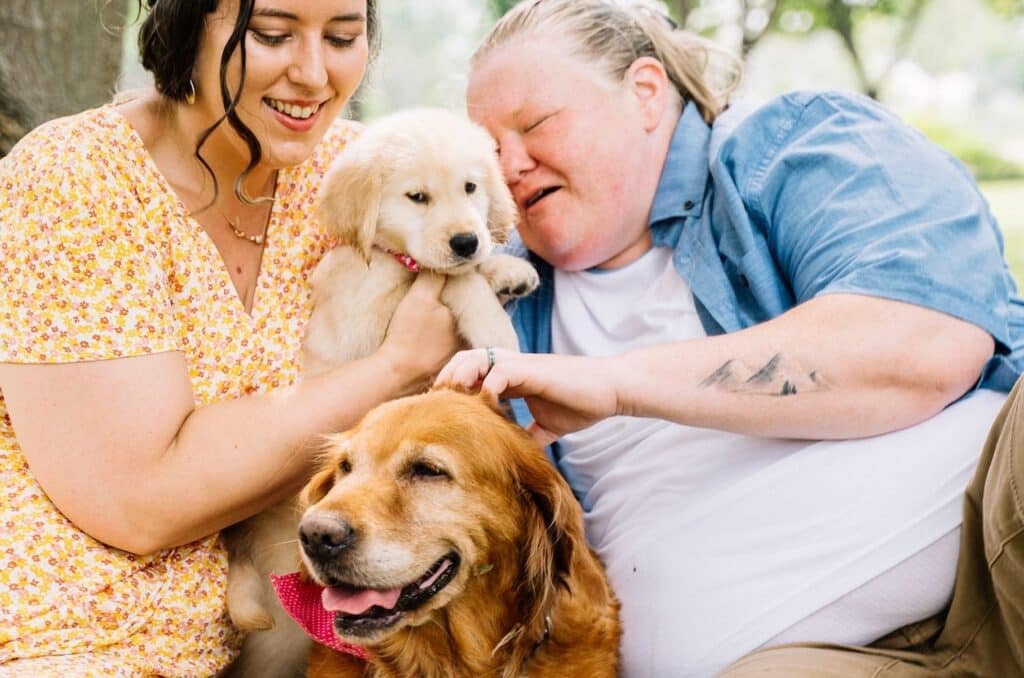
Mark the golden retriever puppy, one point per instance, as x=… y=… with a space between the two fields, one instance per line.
x=275 y=647
x=419 y=190
x=448 y=545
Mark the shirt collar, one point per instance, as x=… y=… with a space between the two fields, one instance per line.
x=685 y=174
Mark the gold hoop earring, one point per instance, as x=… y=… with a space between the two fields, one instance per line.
x=190 y=97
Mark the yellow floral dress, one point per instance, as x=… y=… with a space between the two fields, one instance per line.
x=99 y=259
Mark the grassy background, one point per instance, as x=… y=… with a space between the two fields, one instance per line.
x=1007 y=201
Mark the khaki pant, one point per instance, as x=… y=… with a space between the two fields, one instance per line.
x=982 y=634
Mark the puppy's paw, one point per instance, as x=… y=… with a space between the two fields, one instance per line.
x=245 y=596
x=510 y=277
x=250 y=616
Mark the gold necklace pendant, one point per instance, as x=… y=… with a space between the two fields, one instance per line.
x=239 y=233
x=257 y=240
x=242 y=235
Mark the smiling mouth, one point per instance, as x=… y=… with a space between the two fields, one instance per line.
x=292 y=110
x=540 y=195
x=363 y=611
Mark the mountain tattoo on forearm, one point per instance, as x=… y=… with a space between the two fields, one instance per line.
x=777 y=377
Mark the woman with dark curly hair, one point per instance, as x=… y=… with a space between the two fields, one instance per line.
x=154 y=260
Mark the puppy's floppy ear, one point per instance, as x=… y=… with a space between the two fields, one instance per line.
x=502 y=212
x=350 y=196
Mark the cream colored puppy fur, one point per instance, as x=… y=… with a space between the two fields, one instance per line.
x=425 y=183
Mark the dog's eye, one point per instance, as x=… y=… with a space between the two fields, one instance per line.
x=470 y=187
x=345 y=466
x=418 y=197
x=422 y=469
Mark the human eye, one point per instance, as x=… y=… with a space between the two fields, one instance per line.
x=268 y=38
x=537 y=122
x=340 y=41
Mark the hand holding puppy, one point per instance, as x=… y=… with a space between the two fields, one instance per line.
x=421 y=336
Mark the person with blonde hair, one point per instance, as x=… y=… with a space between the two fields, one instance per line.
x=768 y=345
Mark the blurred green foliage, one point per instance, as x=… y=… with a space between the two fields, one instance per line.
x=983 y=163
x=1005 y=199
x=1008 y=8
x=499 y=7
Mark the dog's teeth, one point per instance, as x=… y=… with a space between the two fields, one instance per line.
x=444 y=566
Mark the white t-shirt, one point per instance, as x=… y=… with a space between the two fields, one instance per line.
x=748 y=541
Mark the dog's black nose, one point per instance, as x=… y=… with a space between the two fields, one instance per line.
x=324 y=536
x=464 y=244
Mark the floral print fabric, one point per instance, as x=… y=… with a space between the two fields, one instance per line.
x=99 y=259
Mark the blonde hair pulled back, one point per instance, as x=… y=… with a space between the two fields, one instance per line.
x=612 y=34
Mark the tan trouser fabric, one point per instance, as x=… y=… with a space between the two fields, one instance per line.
x=982 y=634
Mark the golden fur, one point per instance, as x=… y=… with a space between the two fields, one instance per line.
x=275 y=646
x=444 y=473
x=449 y=165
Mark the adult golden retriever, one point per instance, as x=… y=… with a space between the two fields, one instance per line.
x=449 y=546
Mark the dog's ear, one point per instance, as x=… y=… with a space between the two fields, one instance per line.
x=350 y=196
x=323 y=480
x=317 y=487
x=554 y=536
x=556 y=532
x=502 y=212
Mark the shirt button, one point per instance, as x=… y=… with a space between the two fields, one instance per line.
x=688 y=205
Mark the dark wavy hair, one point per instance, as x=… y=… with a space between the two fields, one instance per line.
x=169 y=42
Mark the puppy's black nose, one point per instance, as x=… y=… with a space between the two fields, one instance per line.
x=464 y=244
x=324 y=536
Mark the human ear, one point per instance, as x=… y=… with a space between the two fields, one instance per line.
x=650 y=85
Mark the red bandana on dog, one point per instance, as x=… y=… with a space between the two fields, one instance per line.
x=303 y=601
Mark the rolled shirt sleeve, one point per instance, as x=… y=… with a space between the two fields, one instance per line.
x=852 y=201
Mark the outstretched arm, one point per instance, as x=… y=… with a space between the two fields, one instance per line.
x=122 y=451
x=837 y=366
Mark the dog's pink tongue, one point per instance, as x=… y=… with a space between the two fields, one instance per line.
x=358 y=601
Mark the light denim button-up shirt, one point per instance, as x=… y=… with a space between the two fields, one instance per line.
x=819 y=193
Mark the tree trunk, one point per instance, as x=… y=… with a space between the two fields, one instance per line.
x=56 y=57
x=841 y=20
x=14 y=119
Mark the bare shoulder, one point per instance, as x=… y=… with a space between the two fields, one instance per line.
x=143 y=111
